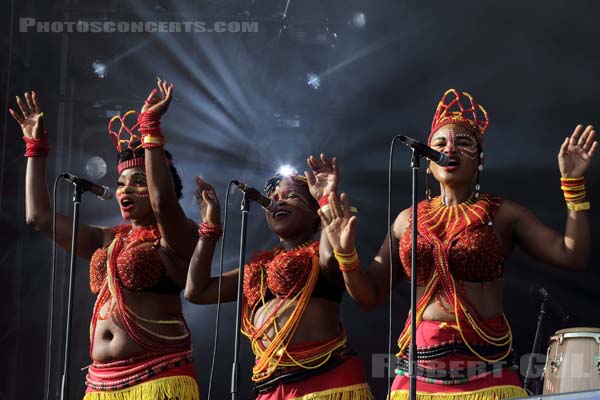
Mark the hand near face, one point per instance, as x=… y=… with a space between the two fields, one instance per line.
x=576 y=152
x=30 y=118
x=208 y=202
x=159 y=99
x=339 y=224
x=323 y=176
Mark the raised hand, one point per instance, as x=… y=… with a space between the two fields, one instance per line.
x=159 y=99
x=30 y=119
x=339 y=223
x=323 y=176
x=576 y=152
x=208 y=202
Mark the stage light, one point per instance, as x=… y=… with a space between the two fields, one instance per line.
x=95 y=167
x=359 y=19
x=100 y=69
x=287 y=170
x=313 y=80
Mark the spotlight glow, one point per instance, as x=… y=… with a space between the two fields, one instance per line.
x=359 y=20
x=95 y=167
x=100 y=69
x=287 y=170
x=313 y=80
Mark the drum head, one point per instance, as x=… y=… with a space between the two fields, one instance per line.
x=578 y=330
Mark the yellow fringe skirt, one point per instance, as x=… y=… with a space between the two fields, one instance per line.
x=170 y=388
x=492 y=393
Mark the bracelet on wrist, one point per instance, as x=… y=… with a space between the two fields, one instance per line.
x=209 y=231
x=36 y=147
x=574 y=193
x=347 y=262
x=579 y=206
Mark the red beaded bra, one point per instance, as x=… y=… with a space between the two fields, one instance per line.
x=284 y=273
x=138 y=267
x=474 y=252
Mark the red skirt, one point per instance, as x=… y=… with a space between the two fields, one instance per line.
x=457 y=374
x=346 y=380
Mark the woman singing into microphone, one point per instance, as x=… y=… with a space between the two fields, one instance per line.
x=140 y=344
x=464 y=341
x=292 y=294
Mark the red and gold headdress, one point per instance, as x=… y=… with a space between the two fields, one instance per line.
x=125 y=135
x=453 y=111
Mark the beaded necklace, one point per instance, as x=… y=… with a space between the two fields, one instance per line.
x=291 y=275
x=440 y=225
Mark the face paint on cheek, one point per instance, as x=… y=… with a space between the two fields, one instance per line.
x=470 y=150
x=138 y=191
x=141 y=191
x=297 y=201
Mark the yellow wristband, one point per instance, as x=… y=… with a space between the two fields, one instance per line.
x=578 y=206
x=153 y=139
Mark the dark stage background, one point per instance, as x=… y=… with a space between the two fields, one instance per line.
x=243 y=106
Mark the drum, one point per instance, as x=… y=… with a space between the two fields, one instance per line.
x=572 y=361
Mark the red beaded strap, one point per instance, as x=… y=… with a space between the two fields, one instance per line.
x=210 y=232
x=149 y=127
x=36 y=147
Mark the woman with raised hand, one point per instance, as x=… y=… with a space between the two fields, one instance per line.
x=464 y=341
x=292 y=293
x=140 y=344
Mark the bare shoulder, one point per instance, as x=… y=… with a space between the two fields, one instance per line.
x=511 y=212
x=401 y=223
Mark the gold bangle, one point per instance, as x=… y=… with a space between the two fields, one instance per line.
x=153 y=139
x=578 y=206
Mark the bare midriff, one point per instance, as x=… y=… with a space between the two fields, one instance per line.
x=111 y=341
x=320 y=322
x=486 y=297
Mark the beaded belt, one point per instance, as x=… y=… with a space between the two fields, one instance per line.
x=450 y=348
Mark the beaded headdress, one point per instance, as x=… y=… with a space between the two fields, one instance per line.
x=459 y=108
x=124 y=133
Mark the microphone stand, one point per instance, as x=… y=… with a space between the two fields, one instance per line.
x=415 y=163
x=235 y=373
x=77 y=191
x=529 y=384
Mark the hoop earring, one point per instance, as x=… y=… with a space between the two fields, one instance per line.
x=427 y=189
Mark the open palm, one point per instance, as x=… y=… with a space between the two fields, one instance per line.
x=339 y=223
x=30 y=119
x=208 y=202
x=323 y=176
x=159 y=99
x=576 y=152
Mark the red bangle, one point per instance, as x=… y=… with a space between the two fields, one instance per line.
x=149 y=127
x=36 y=147
x=211 y=232
x=323 y=200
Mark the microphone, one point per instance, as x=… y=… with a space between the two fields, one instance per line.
x=103 y=192
x=562 y=314
x=265 y=202
x=434 y=155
